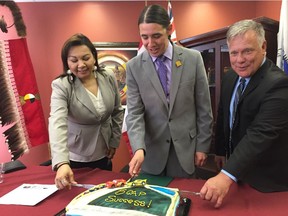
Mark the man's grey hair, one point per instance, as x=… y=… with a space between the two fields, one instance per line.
x=241 y=27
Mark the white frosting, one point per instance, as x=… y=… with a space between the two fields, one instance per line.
x=78 y=206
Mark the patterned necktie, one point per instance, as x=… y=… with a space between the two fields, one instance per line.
x=238 y=94
x=162 y=72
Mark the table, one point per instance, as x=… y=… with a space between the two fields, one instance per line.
x=241 y=200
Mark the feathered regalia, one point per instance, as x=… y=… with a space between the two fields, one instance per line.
x=20 y=107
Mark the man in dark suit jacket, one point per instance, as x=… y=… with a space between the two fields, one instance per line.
x=255 y=142
x=172 y=130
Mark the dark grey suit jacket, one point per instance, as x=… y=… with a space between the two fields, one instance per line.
x=260 y=132
x=152 y=123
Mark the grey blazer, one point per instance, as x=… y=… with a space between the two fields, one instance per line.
x=152 y=123
x=74 y=123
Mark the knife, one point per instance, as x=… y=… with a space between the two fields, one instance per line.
x=131 y=179
x=189 y=192
x=87 y=186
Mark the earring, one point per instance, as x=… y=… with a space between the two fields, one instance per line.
x=70 y=77
x=95 y=68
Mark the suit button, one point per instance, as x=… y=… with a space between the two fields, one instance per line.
x=168 y=141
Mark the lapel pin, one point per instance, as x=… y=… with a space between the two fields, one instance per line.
x=178 y=63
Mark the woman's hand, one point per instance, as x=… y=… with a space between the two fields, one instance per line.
x=111 y=152
x=64 y=177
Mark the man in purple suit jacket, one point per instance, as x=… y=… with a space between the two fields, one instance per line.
x=170 y=132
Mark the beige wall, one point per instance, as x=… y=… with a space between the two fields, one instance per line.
x=50 y=24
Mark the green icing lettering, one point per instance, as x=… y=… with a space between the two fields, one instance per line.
x=139 y=199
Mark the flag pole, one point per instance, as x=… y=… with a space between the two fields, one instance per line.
x=173 y=36
x=282 y=40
